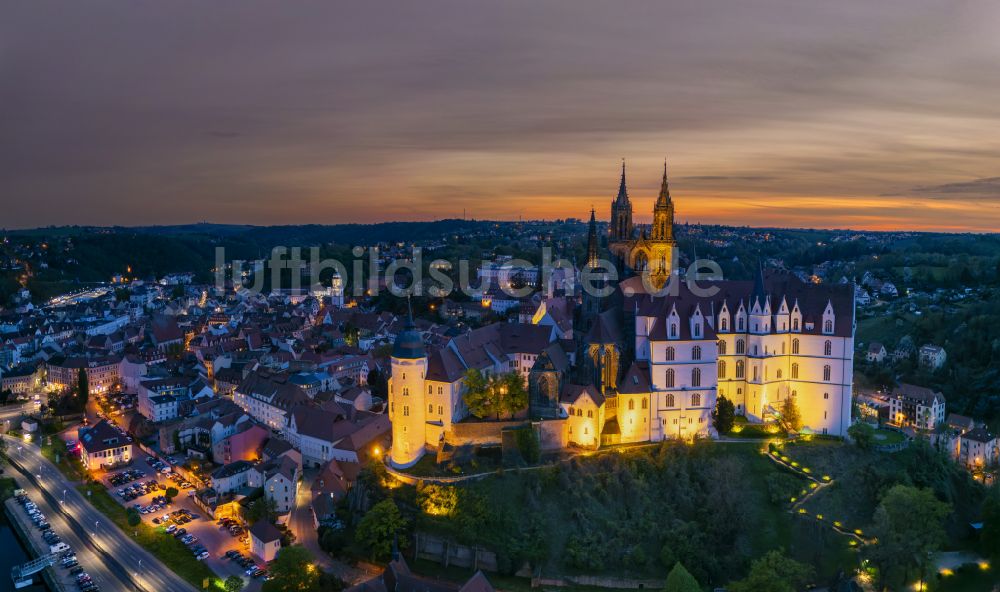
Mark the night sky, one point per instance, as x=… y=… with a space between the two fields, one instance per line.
x=847 y=114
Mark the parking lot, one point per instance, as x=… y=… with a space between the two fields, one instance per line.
x=143 y=485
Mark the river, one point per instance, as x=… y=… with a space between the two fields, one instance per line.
x=14 y=553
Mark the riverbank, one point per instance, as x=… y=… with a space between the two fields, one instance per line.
x=30 y=536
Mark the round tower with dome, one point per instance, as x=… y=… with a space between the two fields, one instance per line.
x=406 y=397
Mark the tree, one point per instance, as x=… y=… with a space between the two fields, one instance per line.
x=679 y=580
x=379 y=527
x=909 y=527
x=263 y=508
x=132 y=517
x=991 y=524
x=863 y=435
x=82 y=388
x=498 y=395
x=724 y=415
x=293 y=571
x=233 y=584
x=773 y=573
x=171 y=492
x=791 y=419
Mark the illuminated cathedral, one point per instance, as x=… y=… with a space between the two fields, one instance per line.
x=643 y=252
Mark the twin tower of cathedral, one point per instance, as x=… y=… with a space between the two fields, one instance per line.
x=647 y=251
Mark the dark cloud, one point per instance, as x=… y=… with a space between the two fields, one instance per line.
x=989 y=186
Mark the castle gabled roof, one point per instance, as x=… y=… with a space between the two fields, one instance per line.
x=636 y=379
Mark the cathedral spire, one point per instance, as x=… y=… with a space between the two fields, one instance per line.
x=759 y=291
x=622 y=198
x=664 y=198
x=592 y=240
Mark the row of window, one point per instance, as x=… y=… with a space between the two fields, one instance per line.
x=741 y=372
x=724 y=325
x=741 y=348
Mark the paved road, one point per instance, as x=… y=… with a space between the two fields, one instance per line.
x=91 y=559
x=117 y=548
x=12 y=413
x=301 y=524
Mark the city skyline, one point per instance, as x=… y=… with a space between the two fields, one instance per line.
x=771 y=115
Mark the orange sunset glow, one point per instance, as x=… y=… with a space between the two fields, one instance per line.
x=838 y=115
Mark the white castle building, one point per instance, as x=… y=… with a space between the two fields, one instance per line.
x=650 y=368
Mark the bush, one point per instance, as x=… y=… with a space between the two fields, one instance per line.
x=333 y=541
x=863 y=435
x=527 y=444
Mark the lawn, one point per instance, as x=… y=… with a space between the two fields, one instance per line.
x=7 y=487
x=166 y=548
x=68 y=465
x=885 y=436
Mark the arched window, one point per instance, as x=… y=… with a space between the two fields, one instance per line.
x=723 y=325
x=828 y=326
x=579 y=412
x=430 y=409
x=795 y=324
x=406 y=390
x=645 y=403
x=670 y=378
x=696 y=377
x=669 y=354
x=795 y=347
x=673 y=329
x=740 y=369
x=756 y=373
x=430 y=390
x=826 y=373
x=739 y=324
x=696 y=352
x=828 y=348
x=722 y=347
x=722 y=368
x=696 y=400
x=406 y=410
x=795 y=370
x=741 y=347
x=631 y=405
x=670 y=399
x=590 y=414
x=778 y=375
x=782 y=348
x=795 y=394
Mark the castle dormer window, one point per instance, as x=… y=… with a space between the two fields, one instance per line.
x=828 y=326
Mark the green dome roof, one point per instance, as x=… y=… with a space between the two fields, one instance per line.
x=409 y=343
